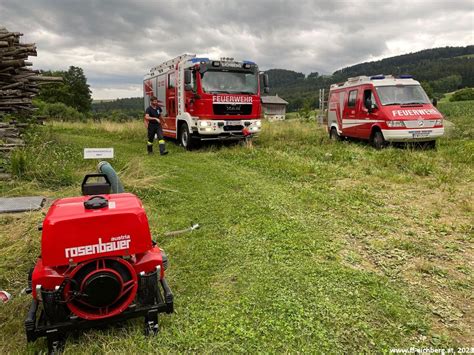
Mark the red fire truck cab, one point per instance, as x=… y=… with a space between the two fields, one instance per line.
x=204 y=99
x=383 y=109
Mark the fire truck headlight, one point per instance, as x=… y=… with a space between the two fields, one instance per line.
x=204 y=123
x=258 y=123
x=396 y=124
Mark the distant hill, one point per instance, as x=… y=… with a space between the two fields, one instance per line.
x=440 y=69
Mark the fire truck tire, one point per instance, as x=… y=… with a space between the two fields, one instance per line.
x=378 y=141
x=185 y=138
x=333 y=135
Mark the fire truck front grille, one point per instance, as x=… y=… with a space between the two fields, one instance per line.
x=232 y=109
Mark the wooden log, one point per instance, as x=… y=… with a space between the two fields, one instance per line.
x=9 y=133
x=7 y=69
x=6 y=35
x=14 y=102
x=10 y=92
x=46 y=78
x=12 y=63
x=11 y=86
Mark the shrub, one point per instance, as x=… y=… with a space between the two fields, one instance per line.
x=463 y=95
x=58 y=111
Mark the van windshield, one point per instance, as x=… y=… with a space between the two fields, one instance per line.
x=229 y=82
x=402 y=95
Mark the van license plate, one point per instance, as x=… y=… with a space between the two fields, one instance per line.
x=420 y=134
x=233 y=123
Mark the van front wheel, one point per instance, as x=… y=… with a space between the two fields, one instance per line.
x=378 y=141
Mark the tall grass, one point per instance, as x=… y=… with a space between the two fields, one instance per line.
x=126 y=130
x=45 y=159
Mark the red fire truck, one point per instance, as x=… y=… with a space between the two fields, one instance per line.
x=204 y=99
x=383 y=109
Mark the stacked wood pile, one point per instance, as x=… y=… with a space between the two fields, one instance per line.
x=18 y=84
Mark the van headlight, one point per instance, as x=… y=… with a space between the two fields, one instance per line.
x=439 y=122
x=258 y=123
x=396 y=124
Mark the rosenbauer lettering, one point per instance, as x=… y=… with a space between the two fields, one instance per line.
x=118 y=243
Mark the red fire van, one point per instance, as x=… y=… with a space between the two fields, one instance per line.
x=383 y=109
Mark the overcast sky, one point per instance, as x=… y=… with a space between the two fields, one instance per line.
x=117 y=41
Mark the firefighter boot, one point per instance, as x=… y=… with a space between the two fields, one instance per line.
x=149 y=147
x=162 y=147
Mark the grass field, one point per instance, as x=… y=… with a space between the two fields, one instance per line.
x=306 y=245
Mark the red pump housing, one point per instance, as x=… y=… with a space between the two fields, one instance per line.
x=94 y=256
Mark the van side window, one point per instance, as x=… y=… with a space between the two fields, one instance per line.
x=368 y=97
x=351 y=102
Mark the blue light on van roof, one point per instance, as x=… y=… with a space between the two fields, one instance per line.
x=377 y=77
x=248 y=62
x=406 y=76
x=199 y=60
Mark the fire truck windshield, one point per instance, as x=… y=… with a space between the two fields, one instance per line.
x=229 y=82
x=402 y=95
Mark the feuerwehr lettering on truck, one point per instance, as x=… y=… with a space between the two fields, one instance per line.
x=221 y=99
x=420 y=112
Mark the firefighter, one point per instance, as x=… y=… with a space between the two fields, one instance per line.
x=152 y=117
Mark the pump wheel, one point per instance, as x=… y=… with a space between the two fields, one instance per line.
x=333 y=135
x=185 y=138
x=378 y=141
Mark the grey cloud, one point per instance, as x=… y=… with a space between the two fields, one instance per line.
x=117 y=41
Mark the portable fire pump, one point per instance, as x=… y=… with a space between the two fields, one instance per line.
x=98 y=265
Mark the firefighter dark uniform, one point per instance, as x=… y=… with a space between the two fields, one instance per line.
x=154 y=128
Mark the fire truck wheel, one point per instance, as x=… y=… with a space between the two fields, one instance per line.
x=378 y=140
x=333 y=135
x=185 y=138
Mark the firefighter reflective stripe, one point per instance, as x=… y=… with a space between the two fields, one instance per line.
x=149 y=143
x=161 y=141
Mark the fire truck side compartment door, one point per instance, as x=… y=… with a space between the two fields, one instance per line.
x=161 y=92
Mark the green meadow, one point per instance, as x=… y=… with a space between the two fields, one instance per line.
x=306 y=245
